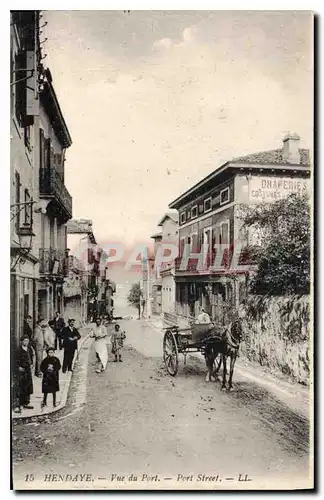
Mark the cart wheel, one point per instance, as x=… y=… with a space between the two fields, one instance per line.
x=217 y=364
x=170 y=353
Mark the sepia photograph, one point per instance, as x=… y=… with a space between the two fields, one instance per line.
x=161 y=250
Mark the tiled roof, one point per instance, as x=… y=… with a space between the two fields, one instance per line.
x=272 y=156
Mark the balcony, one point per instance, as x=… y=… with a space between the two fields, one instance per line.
x=53 y=262
x=51 y=185
x=246 y=262
x=193 y=267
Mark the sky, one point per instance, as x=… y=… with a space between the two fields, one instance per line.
x=155 y=101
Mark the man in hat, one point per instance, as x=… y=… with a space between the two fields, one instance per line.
x=70 y=337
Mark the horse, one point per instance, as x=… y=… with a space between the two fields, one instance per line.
x=227 y=345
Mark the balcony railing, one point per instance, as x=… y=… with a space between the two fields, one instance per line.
x=53 y=262
x=51 y=184
x=248 y=257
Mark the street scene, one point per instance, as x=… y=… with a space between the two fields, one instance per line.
x=160 y=215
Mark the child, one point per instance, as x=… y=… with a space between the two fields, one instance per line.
x=50 y=367
x=117 y=339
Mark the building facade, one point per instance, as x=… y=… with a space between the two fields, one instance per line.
x=24 y=41
x=40 y=204
x=54 y=139
x=210 y=224
x=89 y=291
x=169 y=227
x=155 y=289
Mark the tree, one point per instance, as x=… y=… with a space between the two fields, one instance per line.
x=134 y=297
x=283 y=259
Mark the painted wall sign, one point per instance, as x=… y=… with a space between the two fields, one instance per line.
x=271 y=189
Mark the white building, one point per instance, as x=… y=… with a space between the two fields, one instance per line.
x=169 y=235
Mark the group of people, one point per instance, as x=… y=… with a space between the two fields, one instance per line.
x=46 y=338
x=106 y=341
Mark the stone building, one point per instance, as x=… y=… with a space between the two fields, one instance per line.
x=210 y=225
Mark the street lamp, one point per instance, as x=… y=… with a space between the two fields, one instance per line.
x=24 y=233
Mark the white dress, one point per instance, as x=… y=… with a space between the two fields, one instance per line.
x=100 y=335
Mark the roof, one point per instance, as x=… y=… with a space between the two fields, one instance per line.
x=273 y=156
x=52 y=106
x=169 y=215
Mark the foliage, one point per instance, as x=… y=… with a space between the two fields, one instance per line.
x=283 y=259
x=134 y=296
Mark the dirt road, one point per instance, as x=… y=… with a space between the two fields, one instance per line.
x=135 y=419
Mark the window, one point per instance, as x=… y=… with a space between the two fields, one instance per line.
x=224 y=196
x=188 y=215
x=208 y=204
x=17 y=199
x=20 y=87
x=41 y=149
x=194 y=212
x=224 y=233
x=27 y=140
x=28 y=208
x=183 y=217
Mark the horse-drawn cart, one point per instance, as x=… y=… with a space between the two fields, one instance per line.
x=188 y=340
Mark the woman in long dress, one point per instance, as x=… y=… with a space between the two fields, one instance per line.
x=99 y=333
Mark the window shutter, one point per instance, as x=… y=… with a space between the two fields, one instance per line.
x=20 y=87
x=32 y=104
x=48 y=153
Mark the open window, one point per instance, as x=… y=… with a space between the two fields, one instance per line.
x=183 y=217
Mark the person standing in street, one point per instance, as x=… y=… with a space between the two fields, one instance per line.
x=59 y=324
x=39 y=343
x=99 y=333
x=49 y=336
x=28 y=327
x=203 y=318
x=28 y=332
x=70 y=337
x=50 y=367
x=117 y=340
x=24 y=376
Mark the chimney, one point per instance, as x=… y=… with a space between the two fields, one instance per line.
x=291 y=148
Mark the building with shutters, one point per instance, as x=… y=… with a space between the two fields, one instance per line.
x=24 y=105
x=39 y=200
x=54 y=139
x=210 y=220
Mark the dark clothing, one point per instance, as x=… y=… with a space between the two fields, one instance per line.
x=24 y=376
x=59 y=325
x=28 y=331
x=67 y=335
x=68 y=360
x=70 y=344
x=50 y=381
